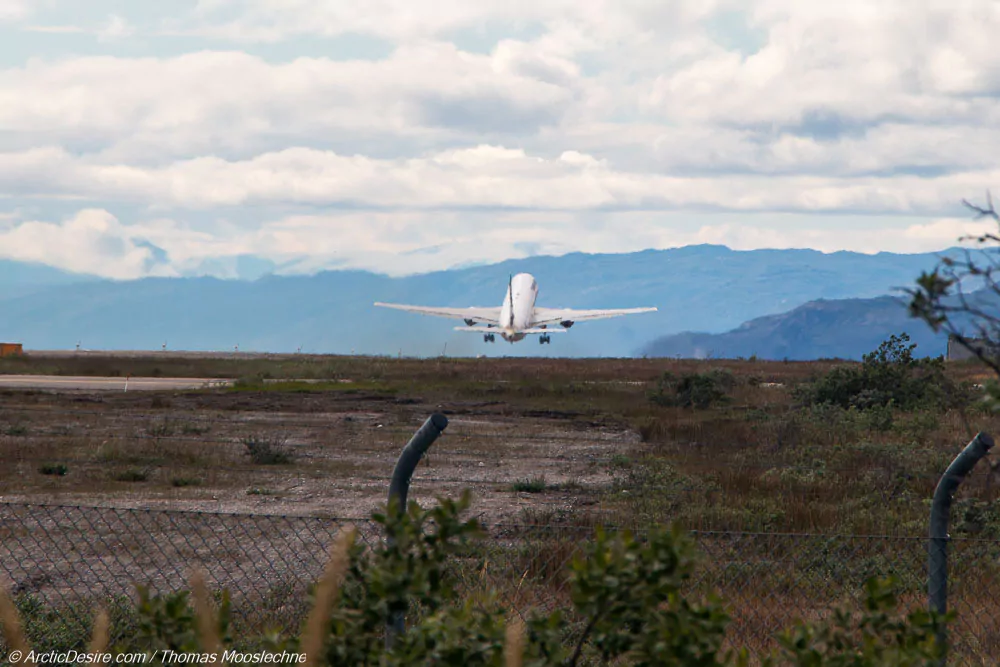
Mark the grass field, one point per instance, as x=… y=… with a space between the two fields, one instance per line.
x=566 y=440
x=551 y=445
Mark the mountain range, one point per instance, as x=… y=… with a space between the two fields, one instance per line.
x=706 y=288
x=821 y=329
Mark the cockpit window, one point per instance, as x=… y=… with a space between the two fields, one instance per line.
x=534 y=285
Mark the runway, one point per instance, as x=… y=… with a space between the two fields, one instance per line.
x=68 y=383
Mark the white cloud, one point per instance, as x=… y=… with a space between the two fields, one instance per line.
x=13 y=10
x=918 y=238
x=55 y=29
x=273 y=20
x=116 y=27
x=479 y=177
x=598 y=117
x=92 y=241
x=855 y=61
x=206 y=101
x=402 y=242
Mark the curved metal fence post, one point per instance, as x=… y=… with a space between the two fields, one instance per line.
x=937 y=575
x=399 y=488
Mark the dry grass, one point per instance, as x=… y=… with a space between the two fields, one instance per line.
x=327 y=591
x=756 y=462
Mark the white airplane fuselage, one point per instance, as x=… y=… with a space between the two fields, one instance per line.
x=518 y=309
x=518 y=315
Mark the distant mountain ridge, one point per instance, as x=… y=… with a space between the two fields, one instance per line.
x=822 y=329
x=22 y=276
x=696 y=288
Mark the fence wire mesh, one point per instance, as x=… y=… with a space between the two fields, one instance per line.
x=68 y=559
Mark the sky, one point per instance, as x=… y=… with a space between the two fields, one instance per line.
x=231 y=137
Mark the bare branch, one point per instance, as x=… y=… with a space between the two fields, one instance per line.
x=989 y=211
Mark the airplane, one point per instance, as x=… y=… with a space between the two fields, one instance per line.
x=518 y=316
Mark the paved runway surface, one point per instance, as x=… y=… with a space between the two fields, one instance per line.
x=59 y=382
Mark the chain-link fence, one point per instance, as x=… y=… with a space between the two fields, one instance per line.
x=66 y=559
x=772 y=580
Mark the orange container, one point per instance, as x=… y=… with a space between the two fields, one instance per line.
x=11 y=349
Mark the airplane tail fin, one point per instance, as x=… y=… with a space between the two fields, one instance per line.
x=510 y=292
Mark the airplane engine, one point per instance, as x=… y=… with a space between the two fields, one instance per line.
x=566 y=324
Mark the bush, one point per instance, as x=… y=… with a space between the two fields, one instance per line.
x=267 y=449
x=131 y=475
x=628 y=601
x=532 y=485
x=694 y=390
x=888 y=377
x=16 y=430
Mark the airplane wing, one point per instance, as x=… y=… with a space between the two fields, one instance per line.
x=556 y=315
x=483 y=315
x=524 y=331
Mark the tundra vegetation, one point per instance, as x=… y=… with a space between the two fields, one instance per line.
x=630 y=603
x=827 y=448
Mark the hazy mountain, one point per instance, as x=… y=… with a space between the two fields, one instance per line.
x=20 y=277
x=844 y=329
x=701 y=288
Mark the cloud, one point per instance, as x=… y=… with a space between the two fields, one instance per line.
x=206 y=102
x=402 y=242
x=275 y=20
x=917 y=238
x=479 y=177
x=599 y=120
x=115 y=28
x=93 y=241
x=55 y=29
x=13 y=10
x=855 y=62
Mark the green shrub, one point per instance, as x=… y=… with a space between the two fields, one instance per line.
x=875 y=637
x=53 y=469
x=131 y=475
x=532 y=485
x=629 y=604
x=694 y=390
x=267 y=449
x=160 y=428
x=888 y=377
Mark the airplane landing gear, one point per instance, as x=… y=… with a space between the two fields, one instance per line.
x=542 y=340
x=489 y=338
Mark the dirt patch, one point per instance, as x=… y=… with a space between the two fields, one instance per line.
x=187 y=450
